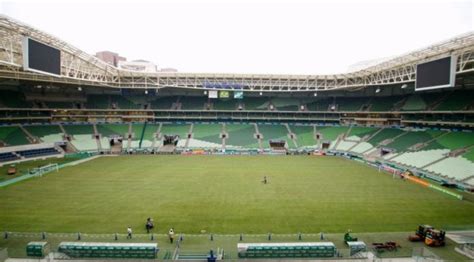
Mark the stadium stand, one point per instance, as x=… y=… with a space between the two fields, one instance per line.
x=13 y=99
x=384 y=103
x=273 y=132
x=420 y=159
x=458 y=100
x=241 y=135
x=255 y=103
x=286 y=104
x=120 y=102
x=98 y=102
x=412 y=138
x=225 y=104
x=321 y=104
x=304 y=135
x=414 y=103
x=351 y=104
x=164 y=102
x=82 y=137
x=457 y=168
x=108 y=130
x=385 y=135
x=331 y=133
x=46 y=133
x=206 y=136
x=12 y=136
x=176 y=129
x=30 y=153
x=8 y=156
x=138 y=132
x=193 y=103
x=453 y=140
x=59 y=104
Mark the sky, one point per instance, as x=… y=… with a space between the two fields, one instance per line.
x=259 y=36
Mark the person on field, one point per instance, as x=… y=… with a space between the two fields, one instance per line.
x=265 y=181
x=129 y=232
x=171 y=235
x=149 y=224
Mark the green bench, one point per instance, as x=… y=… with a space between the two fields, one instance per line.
x=286 y=250
x=37 y=249
x=109 y=250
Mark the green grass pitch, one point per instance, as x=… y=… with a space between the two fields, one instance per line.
x=224 y=194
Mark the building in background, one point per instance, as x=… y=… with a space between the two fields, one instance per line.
x=168 y=70
x=138 y=65
x=110 y=58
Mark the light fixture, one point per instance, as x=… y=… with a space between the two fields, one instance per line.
x=315 y=94
x=261 y=93
x=377 y=90
x=146 y=92
x=205 y=92
x=404 y=86
x=79 y=88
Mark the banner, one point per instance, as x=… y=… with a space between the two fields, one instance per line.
x=223 y=94
x=212 y=94
x=238 y=95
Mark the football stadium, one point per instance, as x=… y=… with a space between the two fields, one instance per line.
x=101 y=162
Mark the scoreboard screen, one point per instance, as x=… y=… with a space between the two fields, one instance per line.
x=40 y=57
x=439 y=73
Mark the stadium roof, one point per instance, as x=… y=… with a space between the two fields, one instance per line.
x=80 y=68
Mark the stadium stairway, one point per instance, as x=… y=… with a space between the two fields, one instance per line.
x=224 y=135
x=260 y=137
x=189 y=135
x=291 y=136
x=97 y=137
x=29 y=136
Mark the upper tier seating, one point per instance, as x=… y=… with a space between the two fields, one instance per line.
x=225 y=104
x=414 y=103
x=286 y=103
x=351 y=103
x=13 y=99
x=384 y=103
x=459 y=100
x=320 y=104
x=193 y=102
x=98 y=102
x=255 y=103
x=121 y=102
x=51 y=104
x=164 y=103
